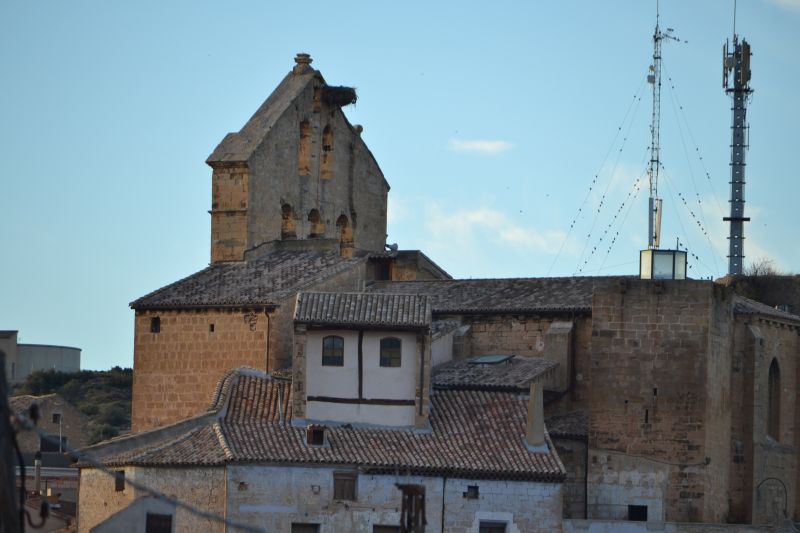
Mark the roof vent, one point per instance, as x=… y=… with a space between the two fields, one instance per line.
x=303 y=63
x=494 y=359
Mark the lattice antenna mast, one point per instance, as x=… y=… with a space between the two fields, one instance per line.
x=736 y=82
x=654 y=78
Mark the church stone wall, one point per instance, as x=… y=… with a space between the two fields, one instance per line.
x=229 y=193
x=650 y=354
x=349 y=185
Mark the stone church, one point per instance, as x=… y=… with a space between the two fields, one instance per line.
x=658 y=400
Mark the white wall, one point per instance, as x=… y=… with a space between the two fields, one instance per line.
x=385 y=383
x=274 y=497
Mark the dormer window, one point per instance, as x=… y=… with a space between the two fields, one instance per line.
x=315 y=435
x=333 y=351
x=390 y=352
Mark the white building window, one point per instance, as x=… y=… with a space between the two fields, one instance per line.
x=390 y=352
x=333 y=351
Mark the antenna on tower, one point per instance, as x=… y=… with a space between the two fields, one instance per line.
x=653 y=262
x=736 y=83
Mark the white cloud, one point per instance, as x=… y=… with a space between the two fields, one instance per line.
x=793 y=5
x=480 y=146
x=465 y=229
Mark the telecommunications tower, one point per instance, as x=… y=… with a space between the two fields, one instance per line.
x=655 y=263
x=736 y=82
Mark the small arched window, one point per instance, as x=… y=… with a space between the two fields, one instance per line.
x=288 y=226
x=327 y=153
x=345 y=234
x=333 y=351
x=304 y=149
x=774 y=400
x=317 y=229
x=390 y=352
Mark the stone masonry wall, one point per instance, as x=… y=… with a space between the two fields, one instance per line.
x=201 y=487
x=229 y=193
x=717 y=417
x=74 y=425
x=275 y=497
x=177 y=369
x=775 y=457
x=525 y=335
x=353 y=186
x=649 y=366
x=572 y=453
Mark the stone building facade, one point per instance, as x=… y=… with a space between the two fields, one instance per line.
x=677 y=382
x=251 y=459
x=682 y=395
x=298 y=203
x=58 y=418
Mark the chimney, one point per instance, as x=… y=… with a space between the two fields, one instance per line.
x=303 y=63
x=534 y=432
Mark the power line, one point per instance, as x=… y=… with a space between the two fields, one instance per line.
x=635 y=100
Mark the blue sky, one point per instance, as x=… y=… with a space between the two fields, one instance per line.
x=490 y=121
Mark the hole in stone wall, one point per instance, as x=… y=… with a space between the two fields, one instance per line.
x=317 y=229
x=211 y=328
x=304 y=149
x=155 y=324
x=327 y=153
x=646 y=416
x=288 y=225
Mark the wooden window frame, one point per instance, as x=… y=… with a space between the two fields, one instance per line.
x=345 y=486
x=391 y=356
x=333 y=355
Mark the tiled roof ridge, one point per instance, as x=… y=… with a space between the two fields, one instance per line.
x=747 y=306
x=343 y=262
x=33 y=396
x=366 y=308
x=164 y=288
x=223 y=442
x=225 y=384
x=141 y=457
x=532 y=278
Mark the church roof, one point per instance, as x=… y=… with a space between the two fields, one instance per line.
x=363 y=309
x=474 y=434
x=746 y=306
x=267 y=280
x=512 y=295
x=511 y=374
x=238 y=147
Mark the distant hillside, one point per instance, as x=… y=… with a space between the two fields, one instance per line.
x=104 y=396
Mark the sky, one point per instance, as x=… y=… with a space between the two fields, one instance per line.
x=514 y=136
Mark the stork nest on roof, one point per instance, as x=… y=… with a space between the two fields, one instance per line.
x=339 y=96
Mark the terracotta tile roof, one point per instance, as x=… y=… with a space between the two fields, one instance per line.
x=746 y=306
x=477 y=434
x=264 y=281
x=363 y=309
x=499 y=295
x=515 y=374
x=572 y=425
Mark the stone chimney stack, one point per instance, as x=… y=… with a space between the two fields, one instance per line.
x=303 y=63
x=534 y=432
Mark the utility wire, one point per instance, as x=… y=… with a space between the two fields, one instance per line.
x=608 y=185
x=709 y=180
x=636 y=97
x=25 y=423
x=675 y=107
